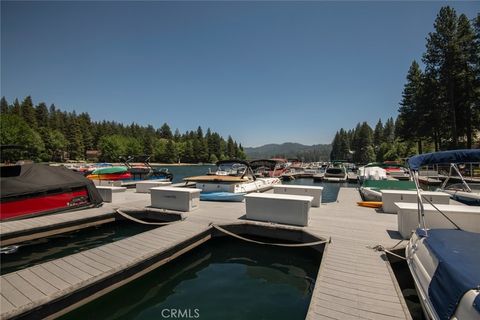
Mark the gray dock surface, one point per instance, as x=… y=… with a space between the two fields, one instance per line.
x=354 y=282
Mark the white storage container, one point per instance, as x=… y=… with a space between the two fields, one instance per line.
x=315 y=192
x=180 y=199
x=145 y=186
x=110 y=194
x=278 y=208
x=466 y=217
x=389 y=197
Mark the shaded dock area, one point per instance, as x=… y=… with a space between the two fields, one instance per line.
x=353 y=280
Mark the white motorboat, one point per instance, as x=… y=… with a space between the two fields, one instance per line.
x=336 y=172
x=444 y=263
x=234 y=177
x=462 y=192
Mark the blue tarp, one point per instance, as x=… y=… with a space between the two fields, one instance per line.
x=451 y=156
x=458 y=270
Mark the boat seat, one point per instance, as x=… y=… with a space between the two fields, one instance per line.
x=278 y=208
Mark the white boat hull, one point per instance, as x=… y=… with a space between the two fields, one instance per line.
x=422 y=264
x=259 y=185
x=369 y=194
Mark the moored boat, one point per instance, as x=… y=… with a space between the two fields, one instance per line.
x=336 y=172
x=463 y=191
x=444 y=262
x=35 y=189
x=110 y=173
x=232 y=177
x=268 y=167
x=370 y=189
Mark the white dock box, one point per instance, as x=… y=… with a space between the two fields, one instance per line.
x=278 y=208
x=389 y=197
x=145 y=186
x=110 y=194
x=466 y=217
x=172 y=198
x=299 y=190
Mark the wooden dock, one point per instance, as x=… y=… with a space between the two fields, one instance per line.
x=354 y=282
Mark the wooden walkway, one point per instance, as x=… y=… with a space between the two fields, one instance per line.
x=354 y=282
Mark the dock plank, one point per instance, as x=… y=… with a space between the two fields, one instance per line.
x=50 y=277
x=60 y=273
x=23 y=286
x=37 y=282
x=12 y=294
x=72 y=260
x=5 y=305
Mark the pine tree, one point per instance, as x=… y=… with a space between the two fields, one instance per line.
x=41 y=114
x=412 y=111
x=440 y=60
x=378 y=133
x=16 y=108
x=4 y=108
x=28 y=112
x=165 y=132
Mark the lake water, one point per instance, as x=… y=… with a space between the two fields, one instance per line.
x=224 y=278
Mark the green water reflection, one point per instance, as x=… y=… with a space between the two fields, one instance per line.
x=222 y=279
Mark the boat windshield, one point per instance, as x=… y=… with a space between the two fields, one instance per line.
x=231 y=169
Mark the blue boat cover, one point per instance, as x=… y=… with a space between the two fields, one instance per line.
x=451 y=156
x=458 y=270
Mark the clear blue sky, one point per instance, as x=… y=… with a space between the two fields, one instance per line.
x=260 y=71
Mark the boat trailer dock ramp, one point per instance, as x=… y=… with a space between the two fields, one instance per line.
x=353 y=281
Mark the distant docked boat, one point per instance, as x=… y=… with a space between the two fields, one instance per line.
x=336 y=172
x=231 y=180
x=110 y=173
x=35 y=189
x=263 y=168
x=370 y=189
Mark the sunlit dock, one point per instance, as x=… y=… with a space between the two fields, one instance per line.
x=353 y=281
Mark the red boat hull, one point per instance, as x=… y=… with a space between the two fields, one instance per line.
x=44 y=203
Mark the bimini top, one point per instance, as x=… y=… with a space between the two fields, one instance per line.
x=451 y=156
x=233 y=161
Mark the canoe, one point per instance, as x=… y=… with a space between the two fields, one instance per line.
x=112 y=177
x=370 y=204
x=110 y=170
x=222 y=196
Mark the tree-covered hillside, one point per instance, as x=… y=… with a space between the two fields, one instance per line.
x=299 y=151
x=51 y=134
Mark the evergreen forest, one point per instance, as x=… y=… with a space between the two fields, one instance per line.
x=440 y=105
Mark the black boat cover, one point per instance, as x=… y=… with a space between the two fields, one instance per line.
x=28 y=179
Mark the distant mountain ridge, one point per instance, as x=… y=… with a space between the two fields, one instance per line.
x=316 y=152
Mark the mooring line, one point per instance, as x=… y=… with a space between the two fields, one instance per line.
x=381 y=248
x=268 y=243
x=123 y=214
